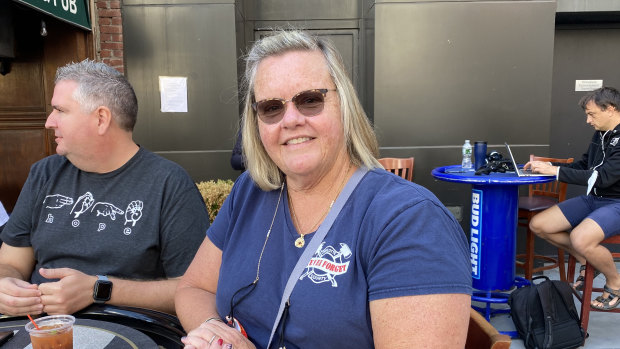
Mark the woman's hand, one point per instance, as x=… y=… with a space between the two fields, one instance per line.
x=216 y=335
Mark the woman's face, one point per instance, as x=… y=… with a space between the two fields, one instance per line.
x=301 y=146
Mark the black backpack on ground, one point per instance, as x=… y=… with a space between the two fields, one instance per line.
x=545 y=315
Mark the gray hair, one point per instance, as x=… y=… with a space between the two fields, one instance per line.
x=361 y=142
x=102 y=85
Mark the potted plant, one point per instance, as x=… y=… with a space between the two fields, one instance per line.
x=214 y=193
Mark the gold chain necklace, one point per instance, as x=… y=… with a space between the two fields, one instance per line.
x=301 y=241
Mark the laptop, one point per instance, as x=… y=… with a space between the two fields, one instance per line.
x=521 y=172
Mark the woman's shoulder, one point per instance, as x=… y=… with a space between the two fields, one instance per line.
x=387 y=195
x=245 y=189
x=382 y=183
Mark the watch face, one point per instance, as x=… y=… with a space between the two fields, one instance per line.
x=103 y=290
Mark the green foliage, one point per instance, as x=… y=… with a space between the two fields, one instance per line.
x=214 y=193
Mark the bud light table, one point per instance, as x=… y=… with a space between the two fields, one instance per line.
x=493 y=229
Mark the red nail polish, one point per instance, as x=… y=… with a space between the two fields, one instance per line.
x=220 y=341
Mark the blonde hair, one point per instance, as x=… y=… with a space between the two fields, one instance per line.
x=360 y=139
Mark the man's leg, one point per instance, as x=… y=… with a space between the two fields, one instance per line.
x=586 y=238
x=552 y=225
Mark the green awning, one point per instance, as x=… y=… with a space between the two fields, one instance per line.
x=71 y=11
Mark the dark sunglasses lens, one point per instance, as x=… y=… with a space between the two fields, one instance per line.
x=270 y=111
x=309 y=103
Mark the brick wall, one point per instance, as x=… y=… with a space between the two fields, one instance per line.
x=110 y=28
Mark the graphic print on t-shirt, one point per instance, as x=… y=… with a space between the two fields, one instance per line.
x=327 y=263
x=57 y=201
x=107 y=209
x=134 y=212
x=82 y=204
x=86 y=204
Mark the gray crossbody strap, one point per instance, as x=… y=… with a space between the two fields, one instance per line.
x=318 y=237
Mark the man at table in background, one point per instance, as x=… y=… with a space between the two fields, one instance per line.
x=104 y=220
x=595 y=216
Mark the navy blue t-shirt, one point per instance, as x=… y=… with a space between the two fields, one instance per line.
x=392 y=238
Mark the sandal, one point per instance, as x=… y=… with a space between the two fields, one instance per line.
x=606 y=302
x=582 y=278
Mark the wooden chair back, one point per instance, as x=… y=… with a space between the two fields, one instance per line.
x=555 y=189
x=402 y=167
x=482 y=335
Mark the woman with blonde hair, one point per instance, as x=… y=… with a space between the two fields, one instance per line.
x=317 y=246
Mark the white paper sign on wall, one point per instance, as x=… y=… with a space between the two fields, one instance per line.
x=588 y=85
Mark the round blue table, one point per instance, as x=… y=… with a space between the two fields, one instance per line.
x=493 y=229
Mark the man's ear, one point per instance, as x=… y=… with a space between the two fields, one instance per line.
x=104 y=119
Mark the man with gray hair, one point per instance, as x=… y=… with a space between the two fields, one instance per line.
x=104 y=220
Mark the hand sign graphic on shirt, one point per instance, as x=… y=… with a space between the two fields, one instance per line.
x=83 y=203
x=107 y=209
x=57 y=201
x=134 y=212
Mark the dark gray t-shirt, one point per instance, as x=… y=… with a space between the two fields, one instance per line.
x=145 y=220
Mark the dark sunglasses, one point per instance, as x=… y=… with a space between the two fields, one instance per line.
x=309 y=103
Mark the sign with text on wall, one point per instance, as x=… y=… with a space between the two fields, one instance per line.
x=587 y=85
x=173 y=93
x=72 y=11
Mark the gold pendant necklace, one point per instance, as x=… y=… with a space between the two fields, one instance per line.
x=301 y=241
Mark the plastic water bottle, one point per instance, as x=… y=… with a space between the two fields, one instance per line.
x=466 y=164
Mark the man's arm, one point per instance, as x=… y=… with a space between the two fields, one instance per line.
x=16 y=262
x=74 y=291
x=17 y=296
x=156 y=294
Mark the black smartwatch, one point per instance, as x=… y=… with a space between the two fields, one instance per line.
x=102 y=291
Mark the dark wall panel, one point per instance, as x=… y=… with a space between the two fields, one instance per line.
x=581 y=52
x=196 y=40
x=448 y=71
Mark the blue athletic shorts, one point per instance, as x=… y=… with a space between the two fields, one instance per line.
x=604 y=211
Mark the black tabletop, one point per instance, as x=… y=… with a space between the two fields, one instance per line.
x=91 y=334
